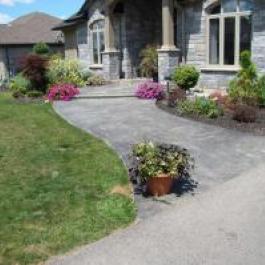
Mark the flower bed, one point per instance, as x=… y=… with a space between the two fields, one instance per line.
x=150 y=90
x=63 y=92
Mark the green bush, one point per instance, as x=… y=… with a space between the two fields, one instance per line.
x=34 y=94
x=65 y=71
x=186 y=76
x=19 y=84
x=244 y=88
x=201 y=106
x=261 y=90
x=41 y=48
x=96 y=80
x=149 y=61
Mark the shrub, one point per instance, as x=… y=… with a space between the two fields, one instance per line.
x=186 y=76
x=152 y=160
x=261 y=90
x=65 y=71
x=63 y=92
x=18 y=94
x=175 y=96
x=34 y=94
x=149 y=61
x=245 y=113
x=219 y=98
x=244 y=89
x=41 y=48
x=34 y=68
x=4 y=84
x=149 y=90
x=19 y=84
x=96 y=80
x=201 y=106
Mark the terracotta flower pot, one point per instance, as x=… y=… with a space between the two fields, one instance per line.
x=159 y=186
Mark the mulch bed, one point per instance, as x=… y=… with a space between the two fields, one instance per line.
x=226 y=121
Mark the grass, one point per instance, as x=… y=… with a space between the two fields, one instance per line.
x=55 y=185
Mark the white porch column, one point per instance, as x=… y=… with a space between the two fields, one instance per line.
x=168 y=24
x=109 y=31
x=168 y=55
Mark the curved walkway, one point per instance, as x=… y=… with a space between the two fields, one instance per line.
x=220 y=154
x=213 y=228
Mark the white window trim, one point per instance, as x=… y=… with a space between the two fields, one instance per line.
x=221 y=16
x=97 y=31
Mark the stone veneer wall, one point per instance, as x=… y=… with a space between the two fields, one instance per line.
x=258 y=44
x=195 y=43
x=143 y=21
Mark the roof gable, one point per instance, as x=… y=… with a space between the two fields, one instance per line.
x=30 y=29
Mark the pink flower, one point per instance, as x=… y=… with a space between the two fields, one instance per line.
x=149 y=90
x=63 y=92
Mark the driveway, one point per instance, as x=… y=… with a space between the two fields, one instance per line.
x=209 y=228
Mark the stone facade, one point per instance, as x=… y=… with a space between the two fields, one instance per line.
x=258 y=43
x=140 y=25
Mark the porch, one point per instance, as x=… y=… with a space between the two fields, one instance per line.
x=132 y=25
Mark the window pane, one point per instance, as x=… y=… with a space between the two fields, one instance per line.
x=216 y=10
x=229 y=5
x=229 y=45
x=95 y=48
x=246 y=5
x=101 y=24
x=245 y=33
x=102 y=44
x=214 y=41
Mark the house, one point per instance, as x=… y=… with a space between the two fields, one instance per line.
x=108 y=35
x=18 y=38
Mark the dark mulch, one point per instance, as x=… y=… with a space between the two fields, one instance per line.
x=226 y=121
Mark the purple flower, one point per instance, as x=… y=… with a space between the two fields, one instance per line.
x=149 y=90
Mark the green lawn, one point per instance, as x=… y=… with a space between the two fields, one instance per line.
x=55 y=185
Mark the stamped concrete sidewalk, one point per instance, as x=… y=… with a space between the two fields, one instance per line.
x=221 y=225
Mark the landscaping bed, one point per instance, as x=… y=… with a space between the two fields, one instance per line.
x=225 y=121
x=60 y=188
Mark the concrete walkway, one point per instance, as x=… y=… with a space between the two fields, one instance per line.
x=223 y=225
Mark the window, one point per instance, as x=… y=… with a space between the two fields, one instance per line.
x=98 y=44
x=230 y=28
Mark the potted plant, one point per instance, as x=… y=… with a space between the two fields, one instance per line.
x=149 y=62
x=160 y=165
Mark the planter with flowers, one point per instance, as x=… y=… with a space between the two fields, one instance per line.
x=158 y=166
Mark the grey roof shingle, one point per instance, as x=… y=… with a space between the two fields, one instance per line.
x=30 y=29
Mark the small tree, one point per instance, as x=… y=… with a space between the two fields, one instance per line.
x=244 y=88
x=41 y=48
x=34 y=68
x=149 y=61
x=186 y=76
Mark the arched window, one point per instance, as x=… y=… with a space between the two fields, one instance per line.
x=98 y=44
x=229 y=26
